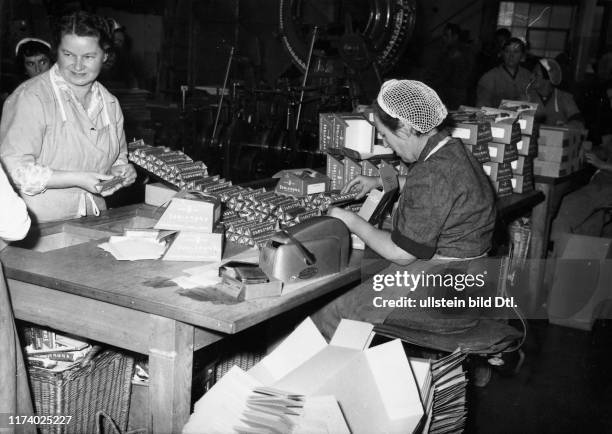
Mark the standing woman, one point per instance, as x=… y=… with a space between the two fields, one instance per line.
x=445 y=214
x=61 y=133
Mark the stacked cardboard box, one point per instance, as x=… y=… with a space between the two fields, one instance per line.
x=503 y=150
x=475 y=136
x=522 y=168
x=559 y=151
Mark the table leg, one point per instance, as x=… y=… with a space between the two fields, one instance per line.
x=170 y=369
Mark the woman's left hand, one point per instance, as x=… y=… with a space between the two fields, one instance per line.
x=126 y=172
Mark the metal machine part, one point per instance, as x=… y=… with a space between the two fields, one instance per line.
x=316 y=248
x=356 y=33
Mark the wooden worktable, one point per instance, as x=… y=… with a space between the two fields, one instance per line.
x=82 y=289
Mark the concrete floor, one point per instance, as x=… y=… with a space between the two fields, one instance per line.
x=563 y=386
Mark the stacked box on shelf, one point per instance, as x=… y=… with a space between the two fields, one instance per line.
x=476 y=137
x=527 y=147
x=503 y=150
x=559 y=151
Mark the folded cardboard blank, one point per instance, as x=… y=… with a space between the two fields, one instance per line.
x=375 y=387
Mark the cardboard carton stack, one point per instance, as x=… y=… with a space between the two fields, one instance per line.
x=375 y=387
x=199 y=237
x=353 y=147
x=476 y=137
x=559 y=151
x=503 y=150
x=522 y=168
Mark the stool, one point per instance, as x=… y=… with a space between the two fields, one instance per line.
x=478 y=336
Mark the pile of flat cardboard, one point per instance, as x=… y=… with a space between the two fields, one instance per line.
x=341 y=387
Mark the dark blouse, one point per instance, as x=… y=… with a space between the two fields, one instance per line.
x=447 y=206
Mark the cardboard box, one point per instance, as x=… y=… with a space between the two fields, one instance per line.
x=522 y=184
x=368 y=168
x=196 y=246
x=243 y=291
x=506 y=131
x=502 y=152
x=552 y=169
x=375 y=387
x=502 y=187
x=522 y=165
x=352 y=169
x=559 y=136
x=329 y=132
x=472 y=133
x=528 y=146
x=497 y=171
x=301 y=182
x=191 y=214
x=158 y=194
x=335 y=171
x=557 y=154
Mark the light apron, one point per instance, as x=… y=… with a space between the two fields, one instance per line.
x=72 y=142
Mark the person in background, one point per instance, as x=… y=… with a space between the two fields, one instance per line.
x=61 y=133
x=445 y=213
x=506 y=81
x=119 y=72
x=33 y=56
x=555 y=106
x=454 y=67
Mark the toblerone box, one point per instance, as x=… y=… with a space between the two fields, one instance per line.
x=506 y=131
x=472 y=133
x=368 y=168
x=335 y=172
x=528 y=145
x=497 y=171
x=352 y=169
x=522 y=184
x=502 y=152
x=522 y=165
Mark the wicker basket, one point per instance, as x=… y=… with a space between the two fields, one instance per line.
x=81 y=391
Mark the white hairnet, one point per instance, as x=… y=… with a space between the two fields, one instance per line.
x=413 y=102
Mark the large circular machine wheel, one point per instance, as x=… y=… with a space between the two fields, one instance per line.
x=354 y=33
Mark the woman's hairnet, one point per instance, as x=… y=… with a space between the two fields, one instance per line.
x=413 y=102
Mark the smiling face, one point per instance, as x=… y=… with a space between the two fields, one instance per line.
x=80 y=59
x=36 y=64
x=404 y=143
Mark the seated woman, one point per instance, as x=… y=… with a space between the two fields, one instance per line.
x=61 y=133
x=445 y=213
x=555 y=106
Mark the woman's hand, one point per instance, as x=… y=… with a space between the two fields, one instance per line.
x=347 y=217
x=126 y=172
x=595 y=161
x=90 y=181
x=363 y=185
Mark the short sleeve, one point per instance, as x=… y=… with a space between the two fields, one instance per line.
x=421 y=213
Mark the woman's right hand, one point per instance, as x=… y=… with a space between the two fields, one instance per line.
x=90 y=181
x=363 y=185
